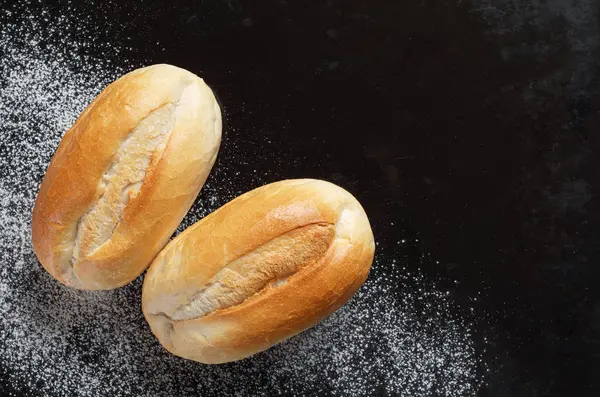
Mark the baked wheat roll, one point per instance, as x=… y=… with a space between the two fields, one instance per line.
x=124 y=176
x=262 y=268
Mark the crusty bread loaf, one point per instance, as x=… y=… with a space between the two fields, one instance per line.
x=124 y=176
x=262 y=268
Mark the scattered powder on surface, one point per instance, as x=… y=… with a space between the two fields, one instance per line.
x=405 y=341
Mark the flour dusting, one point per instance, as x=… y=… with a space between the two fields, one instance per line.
x=400 y=335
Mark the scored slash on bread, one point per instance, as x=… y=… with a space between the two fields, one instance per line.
x=262 y=268
x=124 y=176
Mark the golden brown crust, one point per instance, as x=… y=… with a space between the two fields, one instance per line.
x=275 y=312
x=113 y=254
x=270 y=264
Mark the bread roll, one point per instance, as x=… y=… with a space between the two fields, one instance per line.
x=262 y=268
x=124 y=176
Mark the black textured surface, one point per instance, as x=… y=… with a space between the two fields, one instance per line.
x=480 y=142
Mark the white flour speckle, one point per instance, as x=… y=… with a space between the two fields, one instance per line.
x=399 y=336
